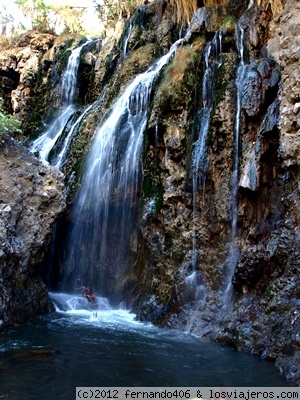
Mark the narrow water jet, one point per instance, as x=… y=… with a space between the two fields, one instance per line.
x=200 y=162
x=126 y=36
x=251 y=3
x=233 y=254
x=212 y=59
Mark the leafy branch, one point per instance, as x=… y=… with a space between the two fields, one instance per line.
x=7 y=122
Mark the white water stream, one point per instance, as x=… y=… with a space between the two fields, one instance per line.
x=45 y=142
x=212 y=61
x=101 y=239
x=233 y=254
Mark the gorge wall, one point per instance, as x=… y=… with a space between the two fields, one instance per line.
x=190 y=271
x=31 y=198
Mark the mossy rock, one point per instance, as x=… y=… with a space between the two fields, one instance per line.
x=178 y=84
x=139 y=60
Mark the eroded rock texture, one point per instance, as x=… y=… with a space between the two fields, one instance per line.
x=241 y=290
x=31 y=198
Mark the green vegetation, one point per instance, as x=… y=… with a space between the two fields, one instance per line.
x=7 y=122
x=50 y=15
x=43 y=16
x=62 y=16
x=37 y=11
x=179 y=79
x=229 y=24
x=153 y=189
x=152 y=186
x=139 y=60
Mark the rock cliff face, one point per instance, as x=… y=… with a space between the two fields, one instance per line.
x=241 y=287
x=30 y=77
x=217 y=250
x=31 y=198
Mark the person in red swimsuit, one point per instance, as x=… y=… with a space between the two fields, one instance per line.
x=88 y=292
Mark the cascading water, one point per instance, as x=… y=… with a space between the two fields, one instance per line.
x=126 y=37
x=233 y=254
x=235 y=172
x=45 y=143
x=212 y=60
x=101 y=244
x=59 y=159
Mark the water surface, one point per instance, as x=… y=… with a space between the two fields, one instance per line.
x=48 y=357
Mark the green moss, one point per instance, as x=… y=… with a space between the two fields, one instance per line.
x=78 y=153
x=221 y=85
x=229 y=24
x=139 y=60
x=270 y=293
x=62 y=60
x=153 y=189
x=179 y=79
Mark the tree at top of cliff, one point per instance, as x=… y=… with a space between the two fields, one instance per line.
x=48 y=15
x=53 y=15
x=36 y=11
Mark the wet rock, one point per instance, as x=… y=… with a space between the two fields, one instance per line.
x=270 y=120
x=249 y=170
x=151 y=309
x=251 y=91
x=289 y=367
x=259 y=78
x=165 y=34
x=250 y=268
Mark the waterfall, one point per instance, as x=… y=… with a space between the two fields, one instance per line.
x=45 y=143
x=59 y=159
x=212 y=61
x=235 y=172
x=69 y=80
x=126 y=37
x=102 y=243
x=212 y=58
x=233 y=254
x=251 y=3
